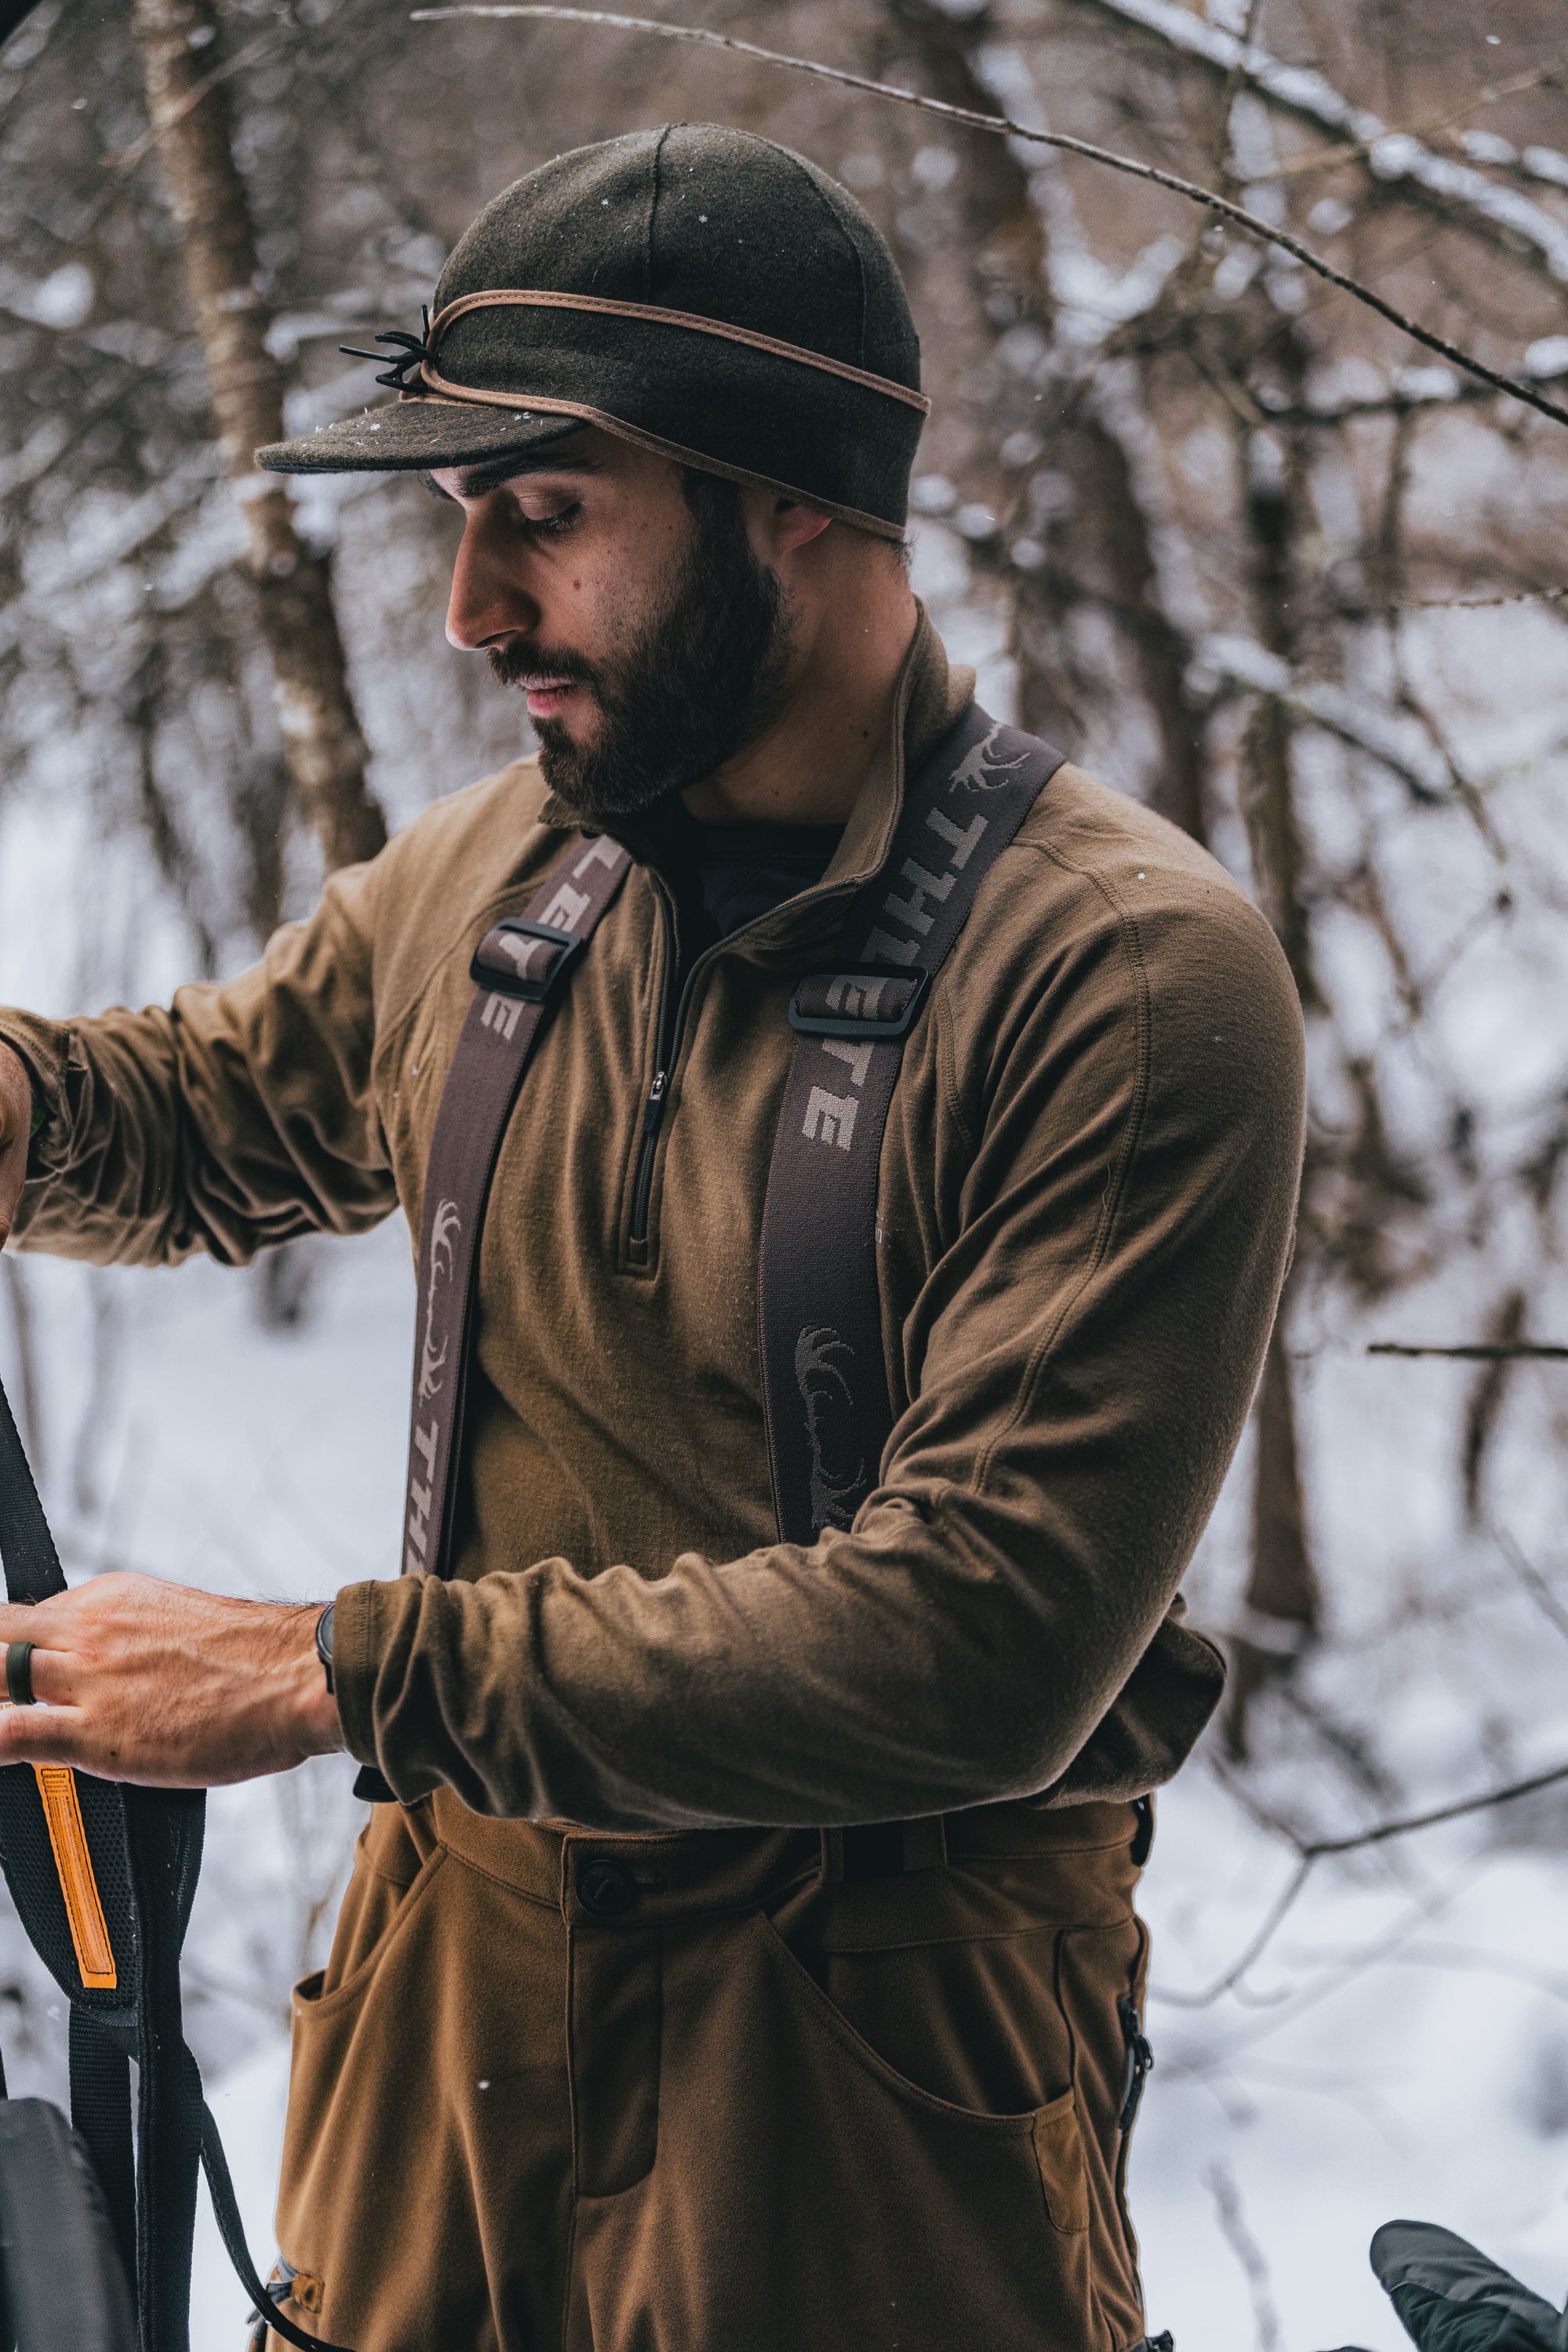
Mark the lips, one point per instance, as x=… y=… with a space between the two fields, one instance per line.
x=546 y=696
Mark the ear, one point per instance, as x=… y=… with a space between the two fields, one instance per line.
x=790 y=525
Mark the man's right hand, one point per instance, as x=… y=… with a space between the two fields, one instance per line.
x=16 y=1133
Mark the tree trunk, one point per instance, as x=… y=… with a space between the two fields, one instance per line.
x=1280 y=1616
x=323 y=745
x=1111 y=563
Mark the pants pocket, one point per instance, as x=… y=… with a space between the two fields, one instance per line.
x=427 y=2112
x=393 y=1851
x=808 y=2192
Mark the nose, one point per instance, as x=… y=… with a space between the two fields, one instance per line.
x=490 y=602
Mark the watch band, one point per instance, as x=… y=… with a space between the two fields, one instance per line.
x=325 y=1643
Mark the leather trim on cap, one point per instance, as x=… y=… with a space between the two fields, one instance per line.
x=536 y=298
x=442 y=390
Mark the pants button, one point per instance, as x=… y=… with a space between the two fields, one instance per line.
x=605 y=1890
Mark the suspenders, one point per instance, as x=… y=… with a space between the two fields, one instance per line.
x=824 y=1388
x=519 y=969
x=824 y=1382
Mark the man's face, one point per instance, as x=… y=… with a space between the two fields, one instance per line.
x=625 y=599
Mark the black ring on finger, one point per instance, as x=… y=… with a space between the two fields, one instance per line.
x=19 y=1674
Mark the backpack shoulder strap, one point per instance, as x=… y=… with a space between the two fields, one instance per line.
x=824 y=1383
x=519 y=969
x=102 y=1876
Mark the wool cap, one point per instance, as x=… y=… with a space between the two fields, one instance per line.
x=701 y=291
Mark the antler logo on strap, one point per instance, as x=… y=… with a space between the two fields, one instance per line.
x=444 y=1234
x=980 y=773
x=823 y=1358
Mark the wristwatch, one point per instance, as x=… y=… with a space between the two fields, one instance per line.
x=324 y=1642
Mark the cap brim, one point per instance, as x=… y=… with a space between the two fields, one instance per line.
x=416 y=436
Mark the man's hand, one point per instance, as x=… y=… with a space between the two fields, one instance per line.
x=15 y=1130
x=140 y=1680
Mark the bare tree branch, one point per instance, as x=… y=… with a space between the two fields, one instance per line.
x=1324 y=159
x=1004 y=127
x=1534 y=1584
x=1311 y=1851
x=1462 y=193
x=1500 y=1353
x=1247 y=2252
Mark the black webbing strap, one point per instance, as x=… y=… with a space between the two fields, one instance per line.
x=824 y=1384
x=518 y=968
x=100 y=2115
x=103 y=1875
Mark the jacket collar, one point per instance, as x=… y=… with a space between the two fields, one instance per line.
x=932 y=693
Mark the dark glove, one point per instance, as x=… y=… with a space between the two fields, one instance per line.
x=1453 y=2299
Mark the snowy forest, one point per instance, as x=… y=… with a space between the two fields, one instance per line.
x=1241 y=544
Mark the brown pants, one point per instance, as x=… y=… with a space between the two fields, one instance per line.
x=747 y=2091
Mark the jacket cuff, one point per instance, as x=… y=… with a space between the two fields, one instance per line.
x=45 y=1047
x=366 y=1623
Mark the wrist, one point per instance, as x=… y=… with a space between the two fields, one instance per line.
x=320 y=1725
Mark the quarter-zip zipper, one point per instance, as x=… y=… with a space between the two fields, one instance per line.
x=672 y=1013
x=663 y=1058
x=671 y=1023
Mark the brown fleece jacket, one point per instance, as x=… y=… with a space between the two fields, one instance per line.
x=1087 y=1189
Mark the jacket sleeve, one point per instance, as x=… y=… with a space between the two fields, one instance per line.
x=1077 y=1371
x=241 y=1115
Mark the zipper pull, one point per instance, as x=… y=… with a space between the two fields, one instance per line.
x=653 y=1109
x=1140 y=2062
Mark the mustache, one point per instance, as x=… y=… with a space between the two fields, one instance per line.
x=515 y=664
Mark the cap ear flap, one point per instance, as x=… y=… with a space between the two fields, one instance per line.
x=1452 y=2298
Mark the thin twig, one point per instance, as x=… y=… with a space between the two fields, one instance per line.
x=1323 y=158
x=1504 y=1352
x=1322 y=1848
x=1254 y=1950
x=1004 y=127
x=1249 y=2253
x=128 y=157
x=1534 y=1584
x=1480 y=603
x=1311 y=1851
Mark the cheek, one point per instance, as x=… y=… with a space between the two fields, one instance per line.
x=604 y=603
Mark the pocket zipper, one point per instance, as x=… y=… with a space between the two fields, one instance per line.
x=1140 y=2062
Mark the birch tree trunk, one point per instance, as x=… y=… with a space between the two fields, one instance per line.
x=323 y=745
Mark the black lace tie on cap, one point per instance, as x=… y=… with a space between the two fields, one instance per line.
x=414 y=353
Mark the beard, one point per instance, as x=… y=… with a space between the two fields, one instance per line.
x=699 y=679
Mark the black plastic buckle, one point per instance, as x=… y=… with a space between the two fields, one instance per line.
x=835 y=1023
x=516 y=983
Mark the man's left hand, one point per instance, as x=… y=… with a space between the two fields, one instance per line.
x=140 y=1680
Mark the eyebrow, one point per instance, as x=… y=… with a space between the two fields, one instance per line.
x=475 y=481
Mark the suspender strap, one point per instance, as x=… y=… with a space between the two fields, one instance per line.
x=824 y=1383
x=519 y=969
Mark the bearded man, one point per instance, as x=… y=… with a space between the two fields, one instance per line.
x=740 y=1954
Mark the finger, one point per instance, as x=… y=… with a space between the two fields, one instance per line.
x=44 y=1734
x=52 y=1677
x=42 y=1620
x=24 y=1620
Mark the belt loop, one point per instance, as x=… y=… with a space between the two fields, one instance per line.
x=925 y=1844
x=832 y=1857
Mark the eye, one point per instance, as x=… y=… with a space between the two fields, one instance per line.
x=553 y=524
